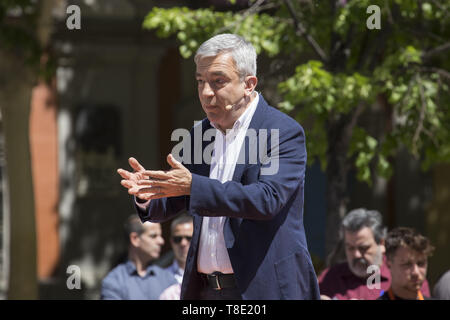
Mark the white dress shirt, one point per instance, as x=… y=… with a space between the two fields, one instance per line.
x=212 y=252
x=177 y=272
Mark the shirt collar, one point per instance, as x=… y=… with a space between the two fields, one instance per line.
x=131 y=268
x=175 y=268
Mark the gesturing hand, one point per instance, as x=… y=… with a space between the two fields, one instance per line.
x=130 y=179
x=147 y=184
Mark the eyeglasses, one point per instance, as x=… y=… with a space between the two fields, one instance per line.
x=178 y=239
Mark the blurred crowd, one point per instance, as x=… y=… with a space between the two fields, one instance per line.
x=379 y=264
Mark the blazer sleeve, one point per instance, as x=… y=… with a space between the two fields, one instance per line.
x=260 y=200
x=160 y=210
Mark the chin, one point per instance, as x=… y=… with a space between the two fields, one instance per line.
x=359 y=273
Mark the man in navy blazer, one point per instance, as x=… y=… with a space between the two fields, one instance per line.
x=245 y=193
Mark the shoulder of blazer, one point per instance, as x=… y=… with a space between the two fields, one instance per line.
x=266 y=116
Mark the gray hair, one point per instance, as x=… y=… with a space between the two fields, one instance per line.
x=242 y=52
x=357 y=219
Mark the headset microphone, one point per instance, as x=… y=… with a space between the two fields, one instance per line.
x=230 y=106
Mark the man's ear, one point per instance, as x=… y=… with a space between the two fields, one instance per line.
x=250 y=83
x=382 y=246
x=134 y=239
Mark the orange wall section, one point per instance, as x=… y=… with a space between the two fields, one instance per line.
x=44 y=158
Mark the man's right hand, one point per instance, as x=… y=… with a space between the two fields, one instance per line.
x=130 y=180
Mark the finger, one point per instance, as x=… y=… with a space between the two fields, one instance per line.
x=153 y=183
x=136 y=190
x=135 y=164
x=127 y=183
x=133 y=191
x=174 y=163
x=151 y=189
x=156 y=174
x=144 y=196
x=157 y=196
x=124 y=173
x=151 y=192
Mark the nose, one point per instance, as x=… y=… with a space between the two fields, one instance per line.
x=207 y=91
x=415 y=269
x=161 y=240
x=357 y=254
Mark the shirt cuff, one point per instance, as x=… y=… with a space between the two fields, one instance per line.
x=143 y=204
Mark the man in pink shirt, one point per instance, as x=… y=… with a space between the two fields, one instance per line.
x=365 y=275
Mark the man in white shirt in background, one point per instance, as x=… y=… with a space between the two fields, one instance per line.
x=181 y=231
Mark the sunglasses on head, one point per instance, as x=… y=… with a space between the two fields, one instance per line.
x=177 y=239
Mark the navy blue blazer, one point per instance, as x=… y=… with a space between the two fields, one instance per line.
x=263 y=231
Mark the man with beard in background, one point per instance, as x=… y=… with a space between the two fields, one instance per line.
x=364 y=236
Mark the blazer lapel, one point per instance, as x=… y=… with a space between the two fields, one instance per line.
x=204 y=168
x=255 y=124
x=232 y=225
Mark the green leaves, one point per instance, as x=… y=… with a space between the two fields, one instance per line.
x=318 y=95
x=414 y=95
x=322 y=92
x=388 y=64
x=192 y=27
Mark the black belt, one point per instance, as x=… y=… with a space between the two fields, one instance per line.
x=218 y=280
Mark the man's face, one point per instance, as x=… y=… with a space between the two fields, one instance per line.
x=219 y=85
x=150 y=241
x=362 y=251
x=408 y=270
x=180 y=240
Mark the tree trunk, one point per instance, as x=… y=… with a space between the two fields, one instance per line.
x=339 y=136
x=336 y=196
x=16 y=81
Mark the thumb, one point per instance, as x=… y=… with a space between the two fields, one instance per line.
x=174 y=163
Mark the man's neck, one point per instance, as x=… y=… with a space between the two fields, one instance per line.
x=238 y=114
x=140 y=264
x=181 y=264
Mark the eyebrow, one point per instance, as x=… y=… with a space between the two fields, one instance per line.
x=214 y=73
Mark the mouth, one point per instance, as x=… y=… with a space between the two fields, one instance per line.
x=210 y=107
x=416 y=282
x=360 y=263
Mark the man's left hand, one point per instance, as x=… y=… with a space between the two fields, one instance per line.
x=173 y=183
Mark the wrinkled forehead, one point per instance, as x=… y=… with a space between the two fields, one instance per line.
x=222 y=63
x=362 y=236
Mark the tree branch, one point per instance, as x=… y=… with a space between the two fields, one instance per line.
x=255 y=8
x=441 y=72
x=301 y=31
x=439 y=49
x=437 y=4
x=421 y=119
